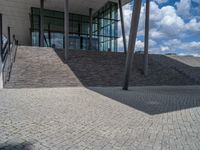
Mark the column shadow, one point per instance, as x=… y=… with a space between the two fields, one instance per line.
x=20 y=146
x=154 y=100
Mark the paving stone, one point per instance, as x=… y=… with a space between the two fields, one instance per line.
x=100 y=118
x=45 y=67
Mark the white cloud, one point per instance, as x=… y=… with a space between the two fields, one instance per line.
x=192 y=46
x=191 y=54
x=139 y=45
x=193 y=25
x=173 y=43
x=171 y=24
x=189 y=47
x=163 y=22
x=155 y=34
x=168 y=28
x=152 y=43
x=164 y=48
x=183 y=8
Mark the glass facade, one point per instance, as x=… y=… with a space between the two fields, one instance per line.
x=104 y=29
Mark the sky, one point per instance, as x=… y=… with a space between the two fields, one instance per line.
x=174 y=27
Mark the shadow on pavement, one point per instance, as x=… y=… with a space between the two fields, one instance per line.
x=21 y=146
x=154 y=100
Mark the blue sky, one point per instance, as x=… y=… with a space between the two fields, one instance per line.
x=174 y=27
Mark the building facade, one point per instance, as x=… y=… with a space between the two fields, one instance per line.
x=74 y=24
x=24 y=19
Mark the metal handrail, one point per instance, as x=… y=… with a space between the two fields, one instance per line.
x=8 y=57
x=4 y=51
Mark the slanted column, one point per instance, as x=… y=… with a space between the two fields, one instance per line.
x=66 y=5
x=132 y=42
x=122 y=25
x=41 y=23
x=146 y=44
x=90 y=28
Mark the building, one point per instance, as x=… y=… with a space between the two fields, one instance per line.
x=72 y=24
x=24 y=18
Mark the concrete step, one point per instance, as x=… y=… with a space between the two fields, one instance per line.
x=44 y=67
x=40 y=67
x=188 y=66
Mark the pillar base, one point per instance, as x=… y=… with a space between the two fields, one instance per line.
x=1 y=81
x=125 y=89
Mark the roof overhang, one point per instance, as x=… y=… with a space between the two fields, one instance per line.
x=79 y=6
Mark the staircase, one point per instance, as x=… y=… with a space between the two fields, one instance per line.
x=45 y=67
x=40 y=67
x=188 y=66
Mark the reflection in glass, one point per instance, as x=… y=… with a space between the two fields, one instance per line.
x=105 y=26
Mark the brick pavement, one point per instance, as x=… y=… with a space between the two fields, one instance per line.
x=100 y=118
x=43 y=67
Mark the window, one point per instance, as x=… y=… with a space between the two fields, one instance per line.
x=104 y=29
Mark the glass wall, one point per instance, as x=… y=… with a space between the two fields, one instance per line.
x=104 y=29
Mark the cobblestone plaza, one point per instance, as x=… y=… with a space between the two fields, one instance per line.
x=64 y=63
x=100 y=118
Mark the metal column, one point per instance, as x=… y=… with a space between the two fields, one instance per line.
x=122 y=25
x=90 y=28
x=1 y=39
x=49 y=34
x=66 y=29
x=42 y=23
x=9 y=39
x=146 y=45
x=1 y=48
x=132 y=42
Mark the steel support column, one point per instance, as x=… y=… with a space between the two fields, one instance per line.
x=146 y=45
x=66 y=7
x=122 y=25
x=1 y=39
x=132 y=42
x=41 y=23
x=1 y=48
x=90 y=28
x=9 y=39
x=49 y=34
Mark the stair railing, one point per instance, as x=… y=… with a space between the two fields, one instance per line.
x=8 y=55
